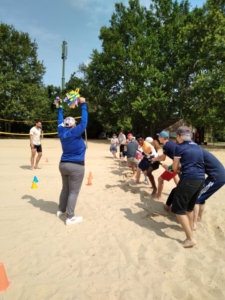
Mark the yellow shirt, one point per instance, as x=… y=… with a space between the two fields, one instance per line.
x=147 y=148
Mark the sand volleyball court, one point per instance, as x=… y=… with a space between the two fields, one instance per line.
x=127 y=247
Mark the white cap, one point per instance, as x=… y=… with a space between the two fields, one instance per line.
x=149 y=139
x=69 y=122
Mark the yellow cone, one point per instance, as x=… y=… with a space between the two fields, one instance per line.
x=34 y=185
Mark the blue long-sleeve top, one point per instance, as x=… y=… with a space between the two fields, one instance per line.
x=73 y=145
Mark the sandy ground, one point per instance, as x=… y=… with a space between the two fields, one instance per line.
x=126 y=248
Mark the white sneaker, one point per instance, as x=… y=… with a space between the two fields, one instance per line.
x=74 y=220
x=60 y=213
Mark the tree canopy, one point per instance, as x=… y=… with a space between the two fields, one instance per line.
x=20 y=76
x=155 y=64
x=158 y=63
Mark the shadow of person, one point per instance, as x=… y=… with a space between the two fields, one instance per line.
x=47 y=206
x=26 y=167
x=158 y=227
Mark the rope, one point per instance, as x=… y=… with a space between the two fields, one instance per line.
x=11 y=133
x=30 y=121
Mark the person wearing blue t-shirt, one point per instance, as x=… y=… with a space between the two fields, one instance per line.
x=215 y=180
x=190 y=156
x=71 y=165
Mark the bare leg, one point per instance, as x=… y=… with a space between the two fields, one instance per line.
x=160 y=187
x=134 y=172
x=190 y=215
x=152 y=180
x=184 y=222
x=148 y=181
x=121 y=156
x=114 y=154
x=138 y=175
x=33 y=153
x=37 y=160
x=195 y=219
x=201 y=210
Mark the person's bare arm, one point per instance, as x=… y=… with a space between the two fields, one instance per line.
x=176 y=161
x=31 y=141
x=161 y=157
x=165 y=167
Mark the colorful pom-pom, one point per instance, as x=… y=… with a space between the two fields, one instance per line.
x=71 y=99
x=58 y=102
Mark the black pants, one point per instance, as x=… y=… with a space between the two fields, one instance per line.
x=170 y=197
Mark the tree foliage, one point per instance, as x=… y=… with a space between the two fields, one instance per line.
x=159 y=62
x=156 y=63
x=21 y=90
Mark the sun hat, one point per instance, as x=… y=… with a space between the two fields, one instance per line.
x=184 y=132
x=163 y=134
x=69 y=122
x=149 y=139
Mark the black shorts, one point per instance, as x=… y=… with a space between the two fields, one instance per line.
x=38 y=148
x=143 y=164
x=154 y=165
x=121 y=148
x=185 y=195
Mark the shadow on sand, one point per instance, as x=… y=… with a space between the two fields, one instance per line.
x=46 y=206
x=152 y=210
x=26 y=167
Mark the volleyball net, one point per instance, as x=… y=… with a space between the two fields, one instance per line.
x=20 y=128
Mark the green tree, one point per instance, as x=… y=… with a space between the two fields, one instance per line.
x=123 y=78
x=135 y=78
x=159 y=63
x=208 y=86
x=22 y=93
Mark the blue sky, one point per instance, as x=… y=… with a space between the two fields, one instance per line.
x=49 y=22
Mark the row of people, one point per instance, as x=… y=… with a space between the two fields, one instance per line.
x=190 y=163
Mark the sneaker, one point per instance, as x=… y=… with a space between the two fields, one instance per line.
x=60 y=213
x=74 y=220
x=145 y=180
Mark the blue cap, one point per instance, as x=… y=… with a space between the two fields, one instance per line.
x=163 y=134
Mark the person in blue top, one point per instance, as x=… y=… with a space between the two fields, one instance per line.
x=190 y=156
x=215 y=180
x=71 y=165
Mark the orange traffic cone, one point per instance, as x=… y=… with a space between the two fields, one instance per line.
x=46 y=160
x=4 y=283
x=89 y=181
x=90 y=176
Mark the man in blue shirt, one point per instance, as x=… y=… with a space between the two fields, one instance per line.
x=190 y=156
x=215 y=180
